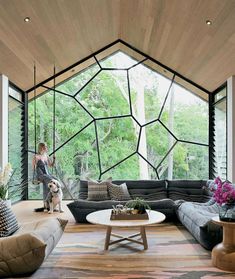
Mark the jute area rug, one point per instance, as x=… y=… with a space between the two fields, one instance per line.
x=172 y=253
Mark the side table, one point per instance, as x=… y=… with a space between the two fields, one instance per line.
x=223 y=254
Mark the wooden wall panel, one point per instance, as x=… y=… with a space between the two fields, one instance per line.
x=65 y=31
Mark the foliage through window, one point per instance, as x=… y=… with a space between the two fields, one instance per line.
x=124 y=117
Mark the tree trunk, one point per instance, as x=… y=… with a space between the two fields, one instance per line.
x=140 y=109
x=170 y=138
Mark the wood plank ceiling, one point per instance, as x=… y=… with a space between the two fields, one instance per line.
x=173 y=32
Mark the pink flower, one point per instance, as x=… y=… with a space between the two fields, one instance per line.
x=224 y=192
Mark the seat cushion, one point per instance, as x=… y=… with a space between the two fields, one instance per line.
x=81 y=208
x=196 y=217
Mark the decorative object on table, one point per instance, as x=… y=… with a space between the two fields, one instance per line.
x=224 y=195
x=120 y=212
x=138 y=204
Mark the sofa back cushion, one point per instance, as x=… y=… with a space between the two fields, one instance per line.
x=93 y=191
x=118 y=192
x=146 y=189
x=83 y=190
x=188 y=190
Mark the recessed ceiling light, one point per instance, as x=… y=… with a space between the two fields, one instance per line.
x=27 y=19
x=208 y=22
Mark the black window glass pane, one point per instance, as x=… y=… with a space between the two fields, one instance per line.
x=148 y=92
x=221 y=94
x=118 y=60
x=185 y=161
x=117 y=140
x=155 y=143
x=131 y=168
x=106 y=95
x=15 y=148
x=220 y=139
x=44 y=121
x=186 y=115
x=77 y=81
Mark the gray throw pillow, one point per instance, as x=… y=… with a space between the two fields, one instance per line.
x=8 y=222
x=118 y=192
x=98 y=191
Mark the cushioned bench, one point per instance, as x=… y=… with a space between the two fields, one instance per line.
x=25 y=250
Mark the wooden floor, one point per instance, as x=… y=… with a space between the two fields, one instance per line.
x=24 y=212
x=173 y=252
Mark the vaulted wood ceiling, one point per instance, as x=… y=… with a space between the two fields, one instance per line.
x=173 y=32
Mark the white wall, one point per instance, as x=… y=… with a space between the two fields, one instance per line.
x=231 y=129
x=4 y=84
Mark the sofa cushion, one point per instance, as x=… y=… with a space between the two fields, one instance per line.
x=196 y=217
x=188 y=190
x=81 y=208
x=98 y=191
x=145 y=189
x=83 y=187
x=8 y=222
x=25 y=251
x=118 y=192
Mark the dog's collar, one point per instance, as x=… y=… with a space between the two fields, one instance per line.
x=56 y=191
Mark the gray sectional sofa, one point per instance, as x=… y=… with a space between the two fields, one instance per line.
x=189 y=200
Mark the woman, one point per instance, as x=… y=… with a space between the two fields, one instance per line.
x=41 y=162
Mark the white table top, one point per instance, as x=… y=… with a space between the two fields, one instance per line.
x=102 y=217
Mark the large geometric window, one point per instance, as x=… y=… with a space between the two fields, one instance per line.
x=121 y=114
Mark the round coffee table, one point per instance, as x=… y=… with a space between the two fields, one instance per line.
x=102 y=217
x=223 y=254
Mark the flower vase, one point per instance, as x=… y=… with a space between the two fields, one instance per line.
x=227 y=212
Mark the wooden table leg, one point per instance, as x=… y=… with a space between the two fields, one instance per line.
x=223 y=254
x=107 y=239
x=144 y=238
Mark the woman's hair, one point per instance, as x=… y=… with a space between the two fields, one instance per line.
x=41 y=145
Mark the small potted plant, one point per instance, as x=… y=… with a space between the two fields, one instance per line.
x=5 y=179
x=139 y=205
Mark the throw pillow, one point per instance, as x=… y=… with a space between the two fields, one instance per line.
x=118 y=192
x=8 y=222
x=98 y=191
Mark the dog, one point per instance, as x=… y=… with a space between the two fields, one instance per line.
x=54 y=197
